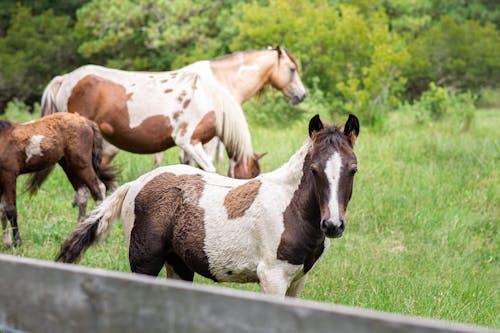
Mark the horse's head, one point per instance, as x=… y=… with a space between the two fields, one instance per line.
x=286 y=77
x=246 y=168
x=331 y=170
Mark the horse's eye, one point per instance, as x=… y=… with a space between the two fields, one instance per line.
x=354 y=170
x=292 y=70
x=313 y=170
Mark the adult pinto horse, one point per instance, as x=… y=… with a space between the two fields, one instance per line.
x=145 y=112
x=35 y=147
x=271 y=229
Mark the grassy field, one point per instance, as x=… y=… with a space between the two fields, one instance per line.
x=422 y=234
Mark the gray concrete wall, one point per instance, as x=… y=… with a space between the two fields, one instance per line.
x=39 y=296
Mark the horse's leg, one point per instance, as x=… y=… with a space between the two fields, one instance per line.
x=177 y=269
x=273 y=280
x=197 y=152
x=211 y=148
x=157 y=159
x=80 y=198
x=108 y=153
x=296 y=287
x=220 y=155
x=146 y=256
x=9 y=205
x=185 y=158
x=7 y=238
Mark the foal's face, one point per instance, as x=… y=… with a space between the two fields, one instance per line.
x=333 y=166
x=286 y=78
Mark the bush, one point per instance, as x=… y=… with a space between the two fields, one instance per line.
x=437 y=103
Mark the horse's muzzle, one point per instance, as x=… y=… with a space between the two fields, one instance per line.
x=331 y=230
x=297 y=99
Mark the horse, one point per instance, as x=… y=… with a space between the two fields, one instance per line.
x=271 y=229
x=35 y=147
x=146 y=112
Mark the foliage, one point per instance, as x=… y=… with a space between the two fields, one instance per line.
x=458 y=56
x=436 y=103
x=34 y=49
x=154 y=34
x=353 y=56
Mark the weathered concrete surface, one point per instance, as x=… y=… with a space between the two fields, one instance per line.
x=39 y=296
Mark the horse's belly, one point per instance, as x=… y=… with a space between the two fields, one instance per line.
x=153 y=135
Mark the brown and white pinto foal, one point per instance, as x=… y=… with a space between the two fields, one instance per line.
x=271 y=229
x=145 y=112
x=35 y=147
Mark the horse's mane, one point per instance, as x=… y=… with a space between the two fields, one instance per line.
x=331 y=136
x=232 y=55
x=231 y=125
x=5 y=125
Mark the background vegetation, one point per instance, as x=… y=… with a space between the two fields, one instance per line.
x=359 y=56
x=422 y=75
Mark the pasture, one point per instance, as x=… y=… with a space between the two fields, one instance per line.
x=422 y=225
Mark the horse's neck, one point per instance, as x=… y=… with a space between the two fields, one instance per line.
x=291 y=172
x=243 y=77
x=296 y=176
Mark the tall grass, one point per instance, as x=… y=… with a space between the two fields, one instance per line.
x=422 y=233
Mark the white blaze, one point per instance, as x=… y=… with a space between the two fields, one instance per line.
x=332 y=171
x=34 y=147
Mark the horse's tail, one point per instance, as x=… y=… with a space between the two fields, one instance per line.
x=105 y=173
x=49 y=96
x=36 y=179
x=94 y=228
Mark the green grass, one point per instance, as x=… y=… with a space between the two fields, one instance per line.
x=422 y=234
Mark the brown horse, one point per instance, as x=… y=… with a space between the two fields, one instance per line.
x=271 y=229
x=35 y=147
x=145 y=112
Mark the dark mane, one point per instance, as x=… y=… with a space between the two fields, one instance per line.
x=5 y=125
x=231 y=55
x=292 y=58
x=331 y=136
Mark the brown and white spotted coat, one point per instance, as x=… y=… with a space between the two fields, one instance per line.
x=145 y=112
x=270 y=230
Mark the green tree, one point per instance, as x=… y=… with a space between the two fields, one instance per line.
x=34 y=49
x=155 y=34
x=351 y=56
x=460 y=56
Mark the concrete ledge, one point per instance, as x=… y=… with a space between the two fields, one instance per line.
x=40 y=296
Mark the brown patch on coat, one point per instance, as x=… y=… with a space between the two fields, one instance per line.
x=168 y=90
x=186 y=103
x=176 y=115
x=239 y=199
x=129 y=96
x=105 y=102
x=169 y=227
x=183 y=128
x=205 y=130
x=164 y=81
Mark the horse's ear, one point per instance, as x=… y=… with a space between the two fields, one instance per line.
x=315 y=125
x=351 y=128
x=259 y=156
